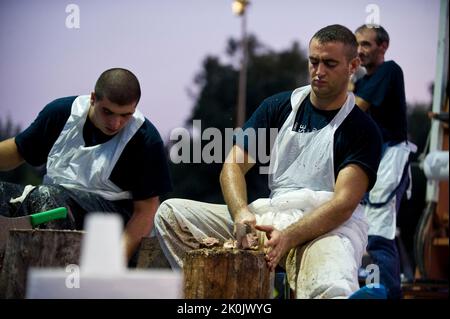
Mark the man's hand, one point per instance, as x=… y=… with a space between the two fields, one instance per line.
x=245 y=216
x=244 y=223
x=278 y=245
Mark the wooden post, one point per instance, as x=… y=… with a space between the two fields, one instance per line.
x=35 y=248
x=214 y=273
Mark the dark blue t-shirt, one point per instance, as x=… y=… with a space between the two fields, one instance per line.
x=385 y=91
x=141 y=168
x=356 y=141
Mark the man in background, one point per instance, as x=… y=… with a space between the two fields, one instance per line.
x=381 y=93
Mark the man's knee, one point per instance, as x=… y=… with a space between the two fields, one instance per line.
x=45 y=195
x=337 y=289
x=328 y=269
x=166 y=210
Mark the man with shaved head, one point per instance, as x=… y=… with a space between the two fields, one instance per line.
x=101 y=155
x=325 y=158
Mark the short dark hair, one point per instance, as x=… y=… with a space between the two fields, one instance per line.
x=338 y=33
x=381 y=33
x=118 y=85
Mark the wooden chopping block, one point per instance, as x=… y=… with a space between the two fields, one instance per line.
x=26 y=222
x=36 y=248
x=218 y=273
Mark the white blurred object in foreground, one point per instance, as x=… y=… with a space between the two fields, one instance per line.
x=103 y=272
x=435 y=165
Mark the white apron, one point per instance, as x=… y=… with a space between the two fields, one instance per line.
x=302 y=167
x=73 y=165
x=382 y=214
x=302 y=176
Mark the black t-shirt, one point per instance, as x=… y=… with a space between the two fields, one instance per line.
x=356 y=141
x=385 y=91
x=141 y=168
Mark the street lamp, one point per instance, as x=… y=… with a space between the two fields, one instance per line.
x=239 y=8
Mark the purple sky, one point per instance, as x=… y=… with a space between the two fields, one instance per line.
x=164 y=43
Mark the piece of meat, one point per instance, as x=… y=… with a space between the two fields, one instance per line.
x=246 y=237
x=230 y=244
x=209 y=242
x=250 y=241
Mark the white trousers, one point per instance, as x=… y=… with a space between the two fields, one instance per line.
x=326 y=267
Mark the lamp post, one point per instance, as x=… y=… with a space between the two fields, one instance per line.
x=239 y=8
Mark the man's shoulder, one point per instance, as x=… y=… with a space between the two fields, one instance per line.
x=392 y=64
x=58 y=109
x=359 y=117
x=392 y=67
x=147 y=134
x=279 y=98
x=61 y=103
x=277 y=107
x=360 y=130
x=358 y=121
x=271 y=112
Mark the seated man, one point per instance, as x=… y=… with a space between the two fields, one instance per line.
x=102 y=155
x=325 y=158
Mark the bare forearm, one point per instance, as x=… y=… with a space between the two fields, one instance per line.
x=135 y=229
x=322 y=220
x=234 y=188
x=10 y=157
x=351 y=185
x=140 y=223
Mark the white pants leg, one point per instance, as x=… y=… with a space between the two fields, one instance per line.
x=327 y=267
x=324 y=268
x=180 y=224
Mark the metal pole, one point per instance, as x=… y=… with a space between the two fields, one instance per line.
x=242 y=88
x=439 y=93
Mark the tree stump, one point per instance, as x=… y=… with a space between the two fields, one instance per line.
x=218 y=273
x=36 y=248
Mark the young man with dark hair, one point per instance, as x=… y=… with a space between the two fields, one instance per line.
x=101 y=155
x=325 y=158
x=381 y=93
